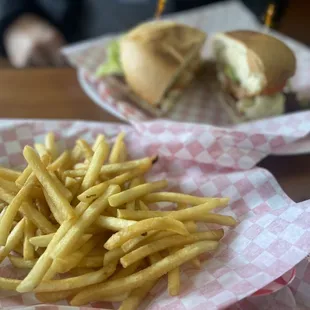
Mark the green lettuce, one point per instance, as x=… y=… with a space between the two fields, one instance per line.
x=230 y=73
x=113 y=63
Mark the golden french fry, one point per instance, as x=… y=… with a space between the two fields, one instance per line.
x=143 y=206
x=21 y=180
x=138 y=279
x=144 y=226
x=39 y=270
x=51 y=297
x=123 y=153
x=182 y=198
x=117 y=149
x=168 y=242
x=9 y=186
x=118 y=168
x=29 y=232
x=8 y=284
x=37 y=218
x=135 y=193
x=61 y=162
x=91 y=262
x=50 y=145
x=20 y=262
x=113 y=223
x=58 y=216
x=125 y=272
x=71 y=261
x=100 y=155
x=135 y=182
x=13 y=240
x=174 y=281
x=43 y=207
x=190 y=214
x=9 y=174
x=65 y=192
x=47 y=183
x=76 y=282
x=42 y=151
x=83 y=222
x=113 y=256
x=86 y=149
x=44 y=240
x=12 y=209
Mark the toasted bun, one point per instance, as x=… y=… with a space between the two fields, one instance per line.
x=152 y=53
x=259 y=61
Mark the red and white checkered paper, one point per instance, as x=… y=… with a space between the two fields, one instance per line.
x=273 y=234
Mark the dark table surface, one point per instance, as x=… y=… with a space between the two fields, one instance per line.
x=55 y=93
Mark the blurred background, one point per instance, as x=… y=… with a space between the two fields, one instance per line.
x=33 y=31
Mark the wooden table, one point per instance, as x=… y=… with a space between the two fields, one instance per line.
x=55 y=93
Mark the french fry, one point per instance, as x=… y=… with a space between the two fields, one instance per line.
x=58 y=216
x=117 y=149
x=113 y=256
x=135 y=193
x=100 y=155
x=83 y=222
x=29 y=232
x=142 y=227
x=47 y=183
x=37 y=273
x=125 y=272
x=13 y=239
x=135 y=297
x=9 y=174
x=168 y=242
x=8 y=284
x=37 y=218
x=12 y=209
x=118 y=168
x=44 y=240
x=178 y=198
x=42 y=151
x=91 y=262
x=51 y=297
x=76 y=282
x=153 y=236
x=113 y=223
x=43 y=207
x=20 y=262
x=61 y=162
x=135 y=182
x=174 y=281
x=138 y=279
x=189 y=215
x=21 y=180
x=86 y=149
x=50 y=145
x=65 y=192
x=64 y=265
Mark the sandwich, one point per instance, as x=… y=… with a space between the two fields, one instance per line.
x=154 y=63
x=254 y=70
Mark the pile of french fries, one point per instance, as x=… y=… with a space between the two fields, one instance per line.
x=80 y=222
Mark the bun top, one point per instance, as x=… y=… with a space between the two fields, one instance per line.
x=268 y=60
x=152 y=53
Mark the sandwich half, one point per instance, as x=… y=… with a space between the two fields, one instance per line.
x=155 y=62
x=253 y=69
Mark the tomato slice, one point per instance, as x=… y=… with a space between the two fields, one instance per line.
x=272 y=90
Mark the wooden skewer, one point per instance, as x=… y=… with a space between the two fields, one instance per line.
x=160 y=8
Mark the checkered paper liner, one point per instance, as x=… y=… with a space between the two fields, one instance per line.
x=273 y=234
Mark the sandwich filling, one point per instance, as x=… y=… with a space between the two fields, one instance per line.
x=243 y=83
